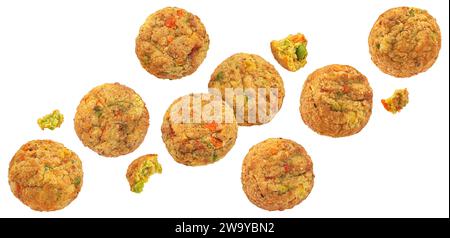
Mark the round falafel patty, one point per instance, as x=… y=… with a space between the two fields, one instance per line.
x=172 y=43
x=112 y=120
x=277 y=174
x=336 y=101
x=199 y=129
x=261 y=86
x=45 y=175
x=404 y=41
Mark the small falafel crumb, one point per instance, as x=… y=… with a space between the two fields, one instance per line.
x=290 y=52
x=140 y=170
x=51 y=121
x=397 y=101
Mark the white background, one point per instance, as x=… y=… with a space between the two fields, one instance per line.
x=54 y=52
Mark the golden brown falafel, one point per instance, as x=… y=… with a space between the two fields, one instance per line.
x=45 y=175
x=204 y=138
x=404 y=41
x=172 y=43
x=277 y=174
x=112 y=120
x=336 y=101
x=261 y=86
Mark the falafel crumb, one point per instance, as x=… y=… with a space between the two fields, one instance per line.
x=397 y=101
x=51 y=121
x=290 y=52
x=140 y=171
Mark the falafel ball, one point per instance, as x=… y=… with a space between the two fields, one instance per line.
x=405 y=41
x=257 y=86
x=112 y=120
x=336 y=101
x=277 y=174
x=45 y=175
x=172 y=43
x=199 y=129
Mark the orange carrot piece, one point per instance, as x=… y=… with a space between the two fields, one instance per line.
x=346 y=88
x=297 y=38
x=212 y=126
x=385 y=105
x=170 y=22
x=169 y=39
x=216 y=142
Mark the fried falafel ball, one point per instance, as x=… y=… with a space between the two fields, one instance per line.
x=277 y=174
x=257 y=89
x=112 y=120
x=172 y=43
x=336 y=101
x=45 y=175
x=405 y=41
x=199 y=129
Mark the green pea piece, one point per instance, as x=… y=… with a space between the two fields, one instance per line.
x=145 y=172
x=301 y=52
x=138 y=187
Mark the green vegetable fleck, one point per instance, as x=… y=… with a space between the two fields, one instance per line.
x=215 y=157
x=47 y=167
x=301 y=52
x=219 y=76
x=51 y=121
x=411 y=12
x=337 y=107
x=282 y=189
x=77 y=181
x=206 y=142
x=138 y=187
x=340 y=94
x=98 y=111
x=150 y=167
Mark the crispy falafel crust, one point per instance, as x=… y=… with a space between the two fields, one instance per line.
x=336 y=101
x=45 y=175
x=196 y=144
x=172 y=43
x=277 y=174
x=404 y=41
x=248 y=71
x=112 y=120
